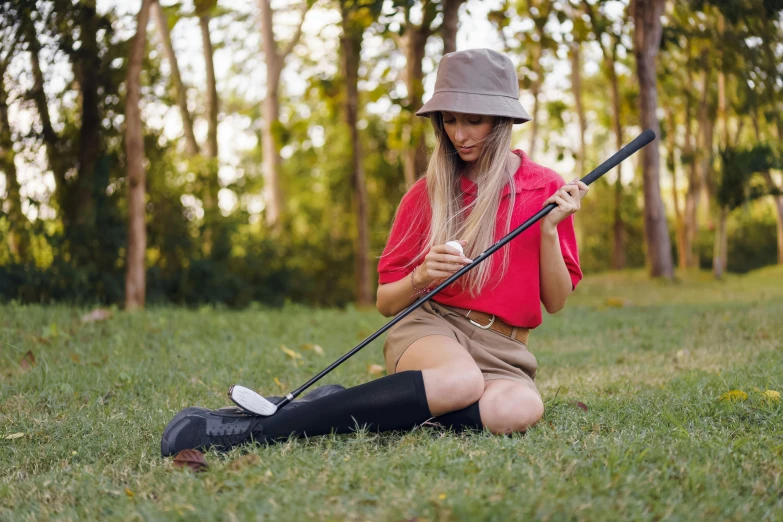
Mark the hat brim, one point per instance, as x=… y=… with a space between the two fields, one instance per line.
x=472 y=103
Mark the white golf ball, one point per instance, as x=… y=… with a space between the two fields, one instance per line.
x=457 y=245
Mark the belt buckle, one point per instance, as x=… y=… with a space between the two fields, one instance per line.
x=480 y=326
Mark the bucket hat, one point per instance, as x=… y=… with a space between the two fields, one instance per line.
x=476 y=81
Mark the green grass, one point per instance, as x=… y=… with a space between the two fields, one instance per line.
x=649 y=359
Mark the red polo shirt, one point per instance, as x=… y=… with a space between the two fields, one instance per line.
x=517 y=298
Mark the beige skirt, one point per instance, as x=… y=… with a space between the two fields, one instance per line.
x=497 y=356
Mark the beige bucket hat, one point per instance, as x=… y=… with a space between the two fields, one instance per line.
x=477 y=81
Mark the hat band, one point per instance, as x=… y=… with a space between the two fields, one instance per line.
x=479 y=93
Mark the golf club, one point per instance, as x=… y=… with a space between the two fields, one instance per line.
x=255 y=404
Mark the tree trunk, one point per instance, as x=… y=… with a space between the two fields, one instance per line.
x=80 y=206
x=535 y=89
x=272 y=194
x=135 y=275
x=721 y=242
x=647 y=38
x=161 y=21
x=692 y=194
x=273 y=199
x=50 y=137
x=576 y=88
x=779 y=215
x=212 y=97
x=274 y=59
x=705 y=157
x=618 y=252
x=210 y=195
x=413 y=42
x=450 y=25
x=18 y=239
x=351 y=43
x=777 y=198
x=416 y=153
x=679 y=222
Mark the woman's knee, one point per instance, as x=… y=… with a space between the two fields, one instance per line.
x=451 y=378
x=452 y=387
x=514 y=410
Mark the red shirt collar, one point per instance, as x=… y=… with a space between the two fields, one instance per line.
x=521 y=180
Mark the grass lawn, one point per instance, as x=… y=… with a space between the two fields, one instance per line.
x=80 y=430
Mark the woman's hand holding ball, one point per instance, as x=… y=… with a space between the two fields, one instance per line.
x=440 y=263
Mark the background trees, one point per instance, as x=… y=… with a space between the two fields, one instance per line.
x=264 y=146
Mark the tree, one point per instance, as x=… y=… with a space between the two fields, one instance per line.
x=135 y=266
x=531 y=47
x=275 y=61
x=450 y=24
x=411 y=39
x=578 y=35
x=180 y=93
x=18 y=226
x=356 y=17
x=609 y=43
x=203 y=160
x=647 y=38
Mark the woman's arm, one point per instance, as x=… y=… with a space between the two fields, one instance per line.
x=555 y=280
x=393 y=297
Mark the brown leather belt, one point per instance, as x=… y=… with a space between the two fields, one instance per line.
x=490 y=322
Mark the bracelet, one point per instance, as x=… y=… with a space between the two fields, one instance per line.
x=418 y=290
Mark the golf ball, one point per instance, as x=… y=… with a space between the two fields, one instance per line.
x=457 y=245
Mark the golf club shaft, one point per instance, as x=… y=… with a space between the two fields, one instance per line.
x=643 y=139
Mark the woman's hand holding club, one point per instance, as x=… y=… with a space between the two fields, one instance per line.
x=568 y=199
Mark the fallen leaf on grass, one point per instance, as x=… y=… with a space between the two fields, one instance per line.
x=75 y=357
x=99 y=314
x=733 y=395
x=251 y=459
x=314 y=347
x=192 y=459
x=617 y=302
x=289 y=352
x=129 y=493
x=14 y=436
x=772 y=395
x=277 y=381
x=375 y=370
x=580 y=404
x=28 y=361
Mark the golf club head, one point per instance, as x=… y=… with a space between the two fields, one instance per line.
x=250 y=401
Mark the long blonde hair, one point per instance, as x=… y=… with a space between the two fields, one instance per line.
x=477 y=222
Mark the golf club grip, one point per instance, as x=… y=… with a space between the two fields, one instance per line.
x=640 y=141
x=643 y=139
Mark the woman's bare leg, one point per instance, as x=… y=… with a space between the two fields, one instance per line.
x=507 y=406
x=451 y=378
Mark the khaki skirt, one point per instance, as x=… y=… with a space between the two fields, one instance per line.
x=497 y=356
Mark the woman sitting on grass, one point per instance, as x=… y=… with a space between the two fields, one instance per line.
x=460 y=359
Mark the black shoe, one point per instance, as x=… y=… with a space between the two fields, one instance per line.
x=320 y=392
x=201 y=428
x=222 y=429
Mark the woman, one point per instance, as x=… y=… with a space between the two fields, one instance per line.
x=472 y=181
x=461 y=357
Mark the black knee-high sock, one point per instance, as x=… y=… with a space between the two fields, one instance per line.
x=394 y=402
x=460 y=420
